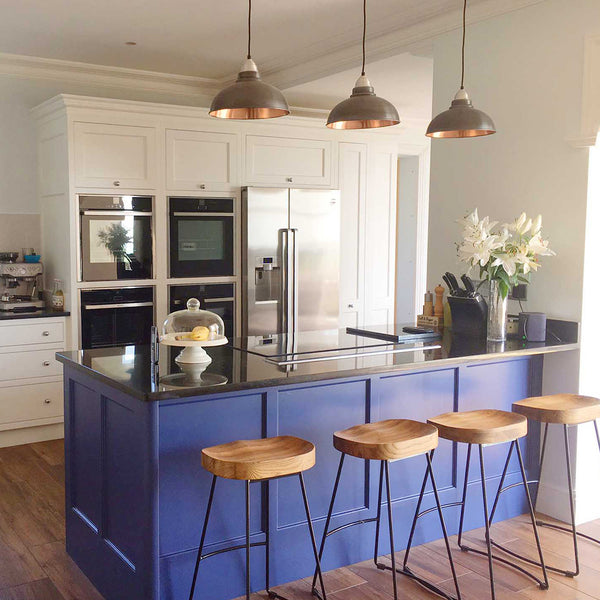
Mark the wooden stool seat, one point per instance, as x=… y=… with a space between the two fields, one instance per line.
x=567 y=409
x=265 y=458
x=387 y=440
x=480 y=426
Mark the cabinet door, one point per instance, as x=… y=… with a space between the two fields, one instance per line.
x=113 y=156
x=380 y=231
x=353 y=188
x=198 y=160
x=288 y=161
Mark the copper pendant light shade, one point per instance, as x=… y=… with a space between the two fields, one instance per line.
x=461 y=120
x=249 y=97
x=363 y=110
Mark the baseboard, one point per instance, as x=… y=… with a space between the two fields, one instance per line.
x=30 y=435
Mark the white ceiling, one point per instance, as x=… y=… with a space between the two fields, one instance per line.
x=198 y=37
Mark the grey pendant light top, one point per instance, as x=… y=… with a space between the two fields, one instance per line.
x=249 y=97
x=363 y=110
x=461 y=120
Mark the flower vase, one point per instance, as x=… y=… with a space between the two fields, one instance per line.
x=496 y=321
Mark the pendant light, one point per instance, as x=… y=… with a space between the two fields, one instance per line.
x=363 y=110
x=461 y=120
x=249 y=97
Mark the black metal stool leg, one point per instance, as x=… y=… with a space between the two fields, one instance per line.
x=571 y=499
x=328 y=520
x=501 y=484
x=464 y=499
x=312 y=535
x=391 y=526
x=378 y=520
x=247 y=540
x=487 y=523
x=203 y=536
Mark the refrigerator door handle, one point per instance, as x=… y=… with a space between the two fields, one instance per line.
x=286 y=278
x=294 y=279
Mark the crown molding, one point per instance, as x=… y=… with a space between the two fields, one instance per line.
x=309 y=65
x=33 y=67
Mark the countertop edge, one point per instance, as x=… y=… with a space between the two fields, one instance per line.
x=301 y=379
x=41 y=314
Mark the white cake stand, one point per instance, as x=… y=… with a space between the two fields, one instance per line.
x=193 y=351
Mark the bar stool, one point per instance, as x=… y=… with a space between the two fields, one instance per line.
x=565 y=410
x=258 y=460
x=386 y=441
x=484 y=428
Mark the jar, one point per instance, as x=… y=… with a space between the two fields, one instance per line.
x=58 y=296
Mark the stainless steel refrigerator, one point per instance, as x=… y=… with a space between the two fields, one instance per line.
x=290 y=260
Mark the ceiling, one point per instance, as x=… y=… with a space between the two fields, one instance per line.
x=197 y=37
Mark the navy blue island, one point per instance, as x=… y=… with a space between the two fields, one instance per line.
x=136 y=493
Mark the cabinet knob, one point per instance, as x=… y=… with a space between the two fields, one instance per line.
x=202 y=186
x=45 y=333
x=289 y=179
x=47 y=401
x=350 y=305
x=46 y=363
x=116 y=183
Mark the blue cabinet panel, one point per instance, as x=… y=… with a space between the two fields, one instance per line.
x=184 y=429
x=85 y=454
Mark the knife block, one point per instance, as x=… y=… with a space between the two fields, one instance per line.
x=469 y=315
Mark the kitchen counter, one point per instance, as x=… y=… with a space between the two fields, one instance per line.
x=128 y=367
x=38 y=314
x=136 y=491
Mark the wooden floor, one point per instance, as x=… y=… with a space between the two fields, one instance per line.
x=35 y=566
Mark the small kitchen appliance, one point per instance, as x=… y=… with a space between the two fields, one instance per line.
x=18 y=282
x=532 y=326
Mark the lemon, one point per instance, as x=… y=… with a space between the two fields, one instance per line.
x=200 y=333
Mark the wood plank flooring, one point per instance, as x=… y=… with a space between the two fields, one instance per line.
x=35 y=566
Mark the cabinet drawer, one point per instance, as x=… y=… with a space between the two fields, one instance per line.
x=27 y=402
x=200 y=160
x=114 y=156
x=34 y=363
x=31 y=333
x=288 y=161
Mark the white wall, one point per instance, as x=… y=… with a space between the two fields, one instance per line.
x=525 y=69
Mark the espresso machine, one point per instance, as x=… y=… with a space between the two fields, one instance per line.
x=18 y=287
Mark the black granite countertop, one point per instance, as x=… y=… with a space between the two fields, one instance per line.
x=129 y=368
x=38 y=314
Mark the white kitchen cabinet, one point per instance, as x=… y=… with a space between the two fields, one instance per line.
x=201 y=160
x=114 y=156
x=353 y=187
x=288 y=162
x=31 y=388
x=380 y=234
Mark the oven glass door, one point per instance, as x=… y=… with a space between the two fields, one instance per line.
x=116 y=326
x=116 y=246
x=201 y=245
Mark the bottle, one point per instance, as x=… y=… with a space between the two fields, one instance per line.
x=58 y=296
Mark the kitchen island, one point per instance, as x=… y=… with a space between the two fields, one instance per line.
x=136 y=492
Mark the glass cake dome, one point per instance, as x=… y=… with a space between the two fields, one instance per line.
x=194 y=324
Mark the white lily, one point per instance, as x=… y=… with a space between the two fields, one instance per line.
x=507 y=262
x=538 y=246
x=537 y=225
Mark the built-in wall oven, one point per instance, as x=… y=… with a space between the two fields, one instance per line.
x=201 y=237
x=216 y=297
x=116 y=317
x=116 y=237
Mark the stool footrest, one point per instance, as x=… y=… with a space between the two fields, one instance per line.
x=568 y=530
x=542 y=584
x=231 y=548
x=531 y=561
x=426 y=584
x=352 y=524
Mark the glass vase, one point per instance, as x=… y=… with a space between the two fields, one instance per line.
x=496 y=321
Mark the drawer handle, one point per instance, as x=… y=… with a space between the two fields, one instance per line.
x=47 y=401
x=45 y=333
x=350 y=305
x=202 y=186
x=289 y=179
x=116 y=183
x=46 y=363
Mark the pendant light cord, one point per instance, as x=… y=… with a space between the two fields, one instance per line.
x=464 y=28
x=364 y=37
x=249 y=26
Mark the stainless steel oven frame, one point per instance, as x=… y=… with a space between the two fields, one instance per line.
x=79 y=262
